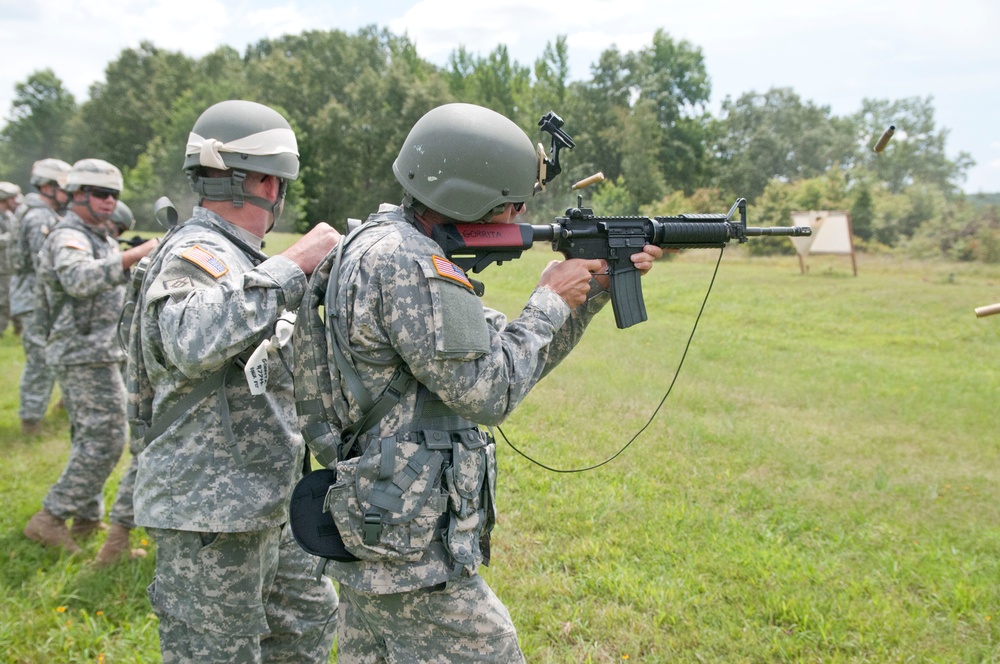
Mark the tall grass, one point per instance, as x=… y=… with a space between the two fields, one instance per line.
x=820 y=486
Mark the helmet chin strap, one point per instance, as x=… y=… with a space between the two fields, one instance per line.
x=96 y=215
x=230 y=190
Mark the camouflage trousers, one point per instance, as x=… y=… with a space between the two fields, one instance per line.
x=5 y=318
x=37 y=378
x=463 y=622
x=94 y=395
x=240 y=597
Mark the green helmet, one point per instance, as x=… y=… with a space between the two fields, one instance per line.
x=123 y=218
x=93 y=173
x=49 y=170
x=242 y=136
x=464 y=161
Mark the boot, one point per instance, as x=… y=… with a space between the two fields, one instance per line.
x=50 y=530
x=83 y=528
x=31 y=427
x=116 y=547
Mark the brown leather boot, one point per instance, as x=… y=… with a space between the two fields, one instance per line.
x=83 y=528
x=50 y=530
x=31 y=427
x=116 y=547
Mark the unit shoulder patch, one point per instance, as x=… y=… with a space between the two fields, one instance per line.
x=445 y=268
x=206 y=261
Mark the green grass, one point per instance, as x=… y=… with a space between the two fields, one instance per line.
x=821 y=485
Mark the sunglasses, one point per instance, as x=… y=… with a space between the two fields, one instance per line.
x=518 y=207
x=102 y=194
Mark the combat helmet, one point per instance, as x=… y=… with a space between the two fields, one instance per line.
x=94 y=173
x=241 y=136
x=97 y=174
x=9 y=190
x=466 y=162
x=45 y=171
x=122 y=218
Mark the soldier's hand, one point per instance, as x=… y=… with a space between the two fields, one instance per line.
x=570 y=279
x=310 y=249
x=643 y=261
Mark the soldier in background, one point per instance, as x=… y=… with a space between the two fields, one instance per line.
x=83 y=275
x=36 y=217
x=216 y=473
x=10 y=198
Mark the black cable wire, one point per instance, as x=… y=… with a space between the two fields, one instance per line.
x=670 y=388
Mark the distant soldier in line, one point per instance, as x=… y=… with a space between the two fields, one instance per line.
x=83 y=274
x=36 y=217
x=10 y=198
x=116 y=547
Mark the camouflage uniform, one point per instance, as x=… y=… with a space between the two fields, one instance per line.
x=83 y=282
x=399 y=302
x=213 y=489
x=36 y=220
x=123 y=509
x=7 y=225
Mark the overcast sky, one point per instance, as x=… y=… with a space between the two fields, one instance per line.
x=831 y=52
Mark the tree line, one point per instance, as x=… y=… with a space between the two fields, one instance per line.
x=641 y=118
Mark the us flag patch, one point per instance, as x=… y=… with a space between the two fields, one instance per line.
x=449 y=270
x=76 y=244
x=205 y=261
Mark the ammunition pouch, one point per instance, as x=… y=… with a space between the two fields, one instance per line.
x=405 y=492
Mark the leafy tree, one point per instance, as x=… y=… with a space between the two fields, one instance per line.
x=662 y=87
x=550 y=89
x=494 y=81
x=37 y=127
x=707 y=200
x=862 y=211
x=916 y=152
x=777 y=135
x=125 y=110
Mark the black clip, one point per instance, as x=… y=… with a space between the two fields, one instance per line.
x=372 y=528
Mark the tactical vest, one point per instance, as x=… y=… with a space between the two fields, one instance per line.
x=139 y=406
x=83 y=310
x=392 y=497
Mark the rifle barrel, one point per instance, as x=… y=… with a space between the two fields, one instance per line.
x=787 y=231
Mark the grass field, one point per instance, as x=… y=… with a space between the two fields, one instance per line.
x=820 y=486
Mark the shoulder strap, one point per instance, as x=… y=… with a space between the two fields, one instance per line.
x=313 y=376
x=140 y=402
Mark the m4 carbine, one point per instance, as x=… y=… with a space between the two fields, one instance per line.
x=582 y=234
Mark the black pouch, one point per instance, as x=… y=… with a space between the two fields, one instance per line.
x=312 y=525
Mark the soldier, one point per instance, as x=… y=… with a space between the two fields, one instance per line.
x=83 y=276
x=10 y=197
x=38 y=215
x=122 y=517
x=219 y=459
x=408 y=336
